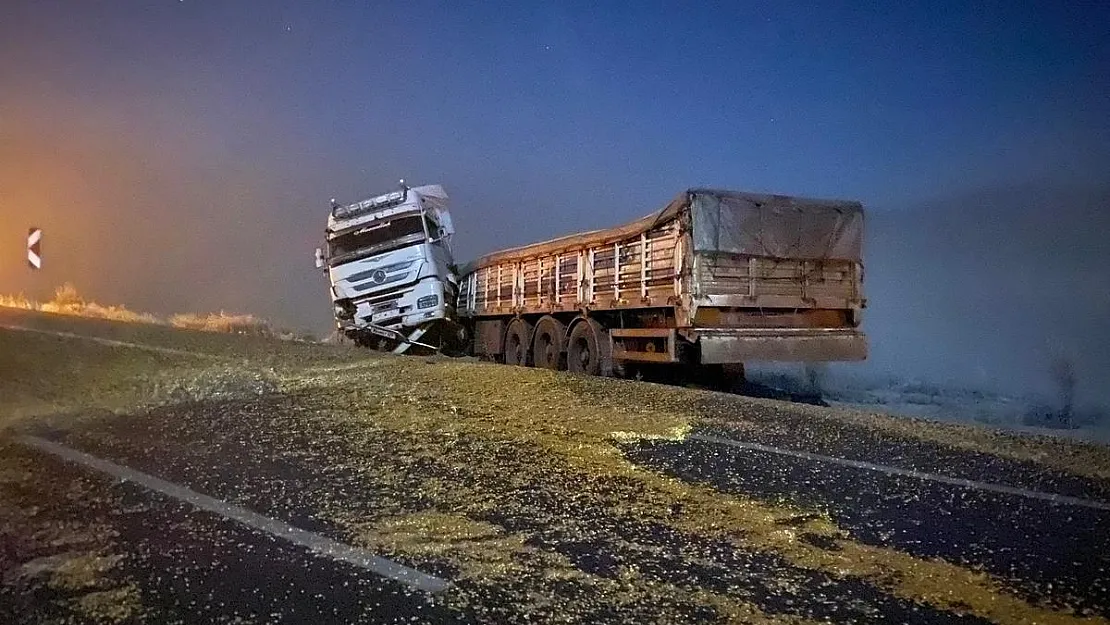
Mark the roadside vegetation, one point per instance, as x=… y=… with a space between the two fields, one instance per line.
x=68 y=301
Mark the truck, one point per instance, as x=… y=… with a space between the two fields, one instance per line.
x=392 y=274
x=711 y=281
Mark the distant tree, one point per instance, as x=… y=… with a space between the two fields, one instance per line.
x=815 y=376
x=1063 y=374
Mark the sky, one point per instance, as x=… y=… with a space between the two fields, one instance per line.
x=180 y=155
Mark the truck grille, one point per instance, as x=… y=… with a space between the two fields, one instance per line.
x=384 y=306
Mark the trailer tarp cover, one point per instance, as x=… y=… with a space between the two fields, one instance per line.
x=776 y=226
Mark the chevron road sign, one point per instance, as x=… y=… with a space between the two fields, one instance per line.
x=34 y=248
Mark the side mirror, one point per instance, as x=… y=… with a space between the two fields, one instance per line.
x=319 y=258
x=445 y=222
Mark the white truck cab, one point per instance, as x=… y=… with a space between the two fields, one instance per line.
x=393 y=276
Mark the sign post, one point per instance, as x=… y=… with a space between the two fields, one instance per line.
x=34 y=248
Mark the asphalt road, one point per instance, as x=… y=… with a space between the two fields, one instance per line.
x=1043 y=547
x=192 y=565
x=79 y=544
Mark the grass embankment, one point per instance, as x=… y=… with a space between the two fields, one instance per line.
x=512 y=450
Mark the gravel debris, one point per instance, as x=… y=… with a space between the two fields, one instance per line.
x=543 y=496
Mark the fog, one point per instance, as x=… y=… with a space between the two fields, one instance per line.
x=980 y=289
x=181 y=158
x=986 y=289
x=159 y=217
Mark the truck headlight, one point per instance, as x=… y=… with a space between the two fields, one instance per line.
x=428 y=301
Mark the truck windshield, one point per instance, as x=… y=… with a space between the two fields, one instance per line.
x=377 y=236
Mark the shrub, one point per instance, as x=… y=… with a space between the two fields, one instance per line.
x=66 y=296
x=223 y=322
x=18 y=301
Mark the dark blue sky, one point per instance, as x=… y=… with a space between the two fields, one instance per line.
x=883 y=105
x=180 y=155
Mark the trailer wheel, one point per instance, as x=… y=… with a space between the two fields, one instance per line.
x=588 y=349
x=547 y=347
x=516 y=343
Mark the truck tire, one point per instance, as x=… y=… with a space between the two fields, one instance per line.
x=516 y=343
x=588 y=349
x=547 y=346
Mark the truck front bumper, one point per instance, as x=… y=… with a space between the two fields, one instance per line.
x=400 y=310
x=737 y=345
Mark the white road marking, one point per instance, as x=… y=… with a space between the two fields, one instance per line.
x=314 y=542
x=921 y=475
x=110 y=342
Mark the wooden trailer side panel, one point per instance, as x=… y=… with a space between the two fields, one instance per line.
x=637 y=271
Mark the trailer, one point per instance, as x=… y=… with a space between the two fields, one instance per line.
x=714 y=279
